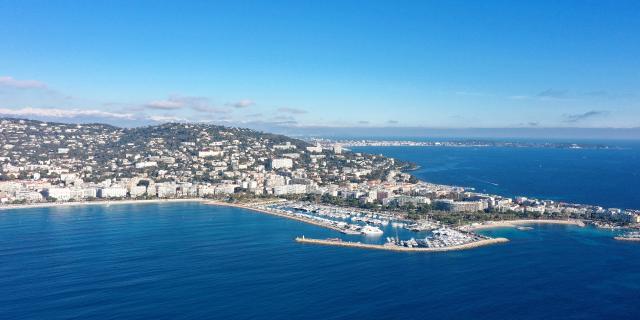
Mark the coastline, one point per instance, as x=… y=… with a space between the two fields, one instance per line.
x=91 y=203
x=516 y=223
x=360 y=245
x=252 y=207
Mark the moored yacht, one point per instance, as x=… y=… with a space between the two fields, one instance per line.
x=370 y=230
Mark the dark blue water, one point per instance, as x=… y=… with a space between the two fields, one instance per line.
x=191 y=261
x=605 y=177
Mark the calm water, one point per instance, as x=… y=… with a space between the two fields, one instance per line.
x=610 y=178
x=191 y=261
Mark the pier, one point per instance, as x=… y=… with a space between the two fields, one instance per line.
x=627 y=239
x=340 y=243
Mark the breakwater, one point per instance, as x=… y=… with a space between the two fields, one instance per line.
x=627 y=239
x=340 y=243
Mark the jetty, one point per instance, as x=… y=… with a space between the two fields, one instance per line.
x=392 y=247
x=627 y=239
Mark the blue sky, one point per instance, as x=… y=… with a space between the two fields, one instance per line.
x=440 y=64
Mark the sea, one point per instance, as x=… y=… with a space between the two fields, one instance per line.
x=604 y=177
x=196 y=261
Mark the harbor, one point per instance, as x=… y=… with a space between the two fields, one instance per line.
x=383 y=231
x=349 y=221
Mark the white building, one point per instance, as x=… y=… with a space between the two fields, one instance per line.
x=210 y=153
x=29 y=196
x=226 y=188
x=146 y=164
x=290 y=189
x=206 y=191
x=60 y=194
x=83 y=193
x=137 y=191
x=285 y=146
x=281 y=163
x=112 y=192
x=166 y=190
x=316 y=149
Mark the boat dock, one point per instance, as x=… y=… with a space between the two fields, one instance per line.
x=627 y=239
x=391 y=247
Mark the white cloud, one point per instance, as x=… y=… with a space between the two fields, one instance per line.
x=166 y=118
x=292 y=110
x=573 y=118
x=63 y=113
x=174 y=102
x=6 y=81
x=170 y=104
x=244 y=103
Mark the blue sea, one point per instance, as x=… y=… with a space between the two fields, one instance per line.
x=604 y=177
x=193 y=261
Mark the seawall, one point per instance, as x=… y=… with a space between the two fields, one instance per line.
x=360 y=245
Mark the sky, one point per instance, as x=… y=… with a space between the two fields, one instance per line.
x=324 y=64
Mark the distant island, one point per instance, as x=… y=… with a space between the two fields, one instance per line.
x=316 y=182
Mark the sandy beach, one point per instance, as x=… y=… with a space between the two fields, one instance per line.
x=515 y=223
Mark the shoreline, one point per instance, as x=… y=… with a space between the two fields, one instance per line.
x=91 y=203
x=360 y=245
x=251 y=207
x=516 y=223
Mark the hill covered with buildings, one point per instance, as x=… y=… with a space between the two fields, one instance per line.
x=82 y=161
x=60 y=162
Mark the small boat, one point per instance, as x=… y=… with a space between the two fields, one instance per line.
x=370 y=230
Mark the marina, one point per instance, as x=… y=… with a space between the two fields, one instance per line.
x=406 y=235
x=349 y=221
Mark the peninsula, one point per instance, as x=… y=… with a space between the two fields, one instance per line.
x=52 y=164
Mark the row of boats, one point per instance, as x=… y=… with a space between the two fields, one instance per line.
x=364 y=216
x=344 y=227
x=440 y=238
x=354 y=222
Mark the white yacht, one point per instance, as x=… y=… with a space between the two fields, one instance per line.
x=370 y=230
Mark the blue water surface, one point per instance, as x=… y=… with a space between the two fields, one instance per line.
x=605 y=177
x=193 y=261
